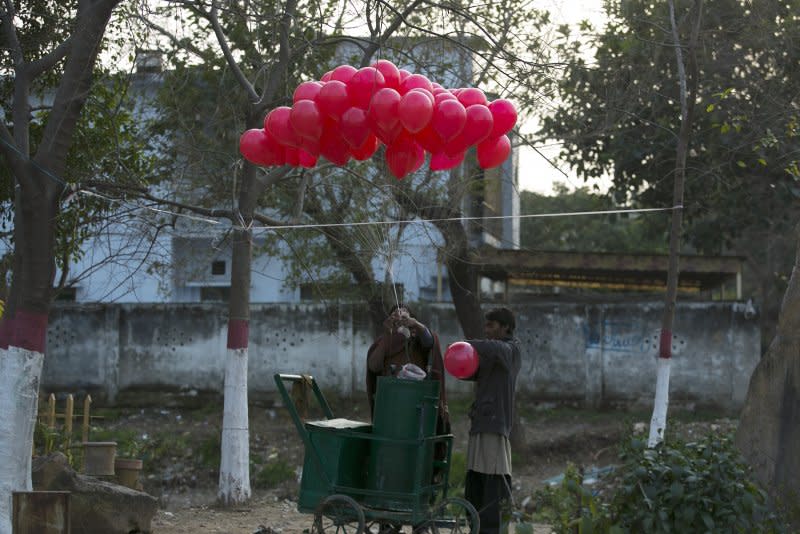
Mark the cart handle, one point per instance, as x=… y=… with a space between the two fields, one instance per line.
x=289 y=403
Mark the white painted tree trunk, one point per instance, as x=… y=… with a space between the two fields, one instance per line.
x=20 y=372
x=234 y=469
x=658 y=423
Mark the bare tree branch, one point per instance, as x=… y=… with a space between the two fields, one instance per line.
x=182 y=43
x=226 y=51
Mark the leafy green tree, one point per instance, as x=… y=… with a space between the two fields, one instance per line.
x=48 y=57
x=618 y=115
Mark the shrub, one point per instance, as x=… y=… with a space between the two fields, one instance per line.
x=690 y=487
x=675 y=487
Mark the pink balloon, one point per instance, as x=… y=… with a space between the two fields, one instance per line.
x=414 y=81
x=505 y=116
x=258 y=147
x=391 y=74
x=327 y=76
x=306 y=91
x=333 y=99
x=306 y=119
x=403 y=75
x=470 y=97
x=493 y=152
x=364 y=83
x=343 y=73
x=366 y=150
x=415 y=111
x=440 y=161
x=461 y=360
x=277 y=123
x=449 y=117
x=354 y=127
x=305 y=159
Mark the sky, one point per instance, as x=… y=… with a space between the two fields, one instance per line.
x=535 y=172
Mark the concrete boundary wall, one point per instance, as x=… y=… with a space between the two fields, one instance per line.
x=588 y=354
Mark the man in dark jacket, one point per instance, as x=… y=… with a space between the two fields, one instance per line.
x=488 y=482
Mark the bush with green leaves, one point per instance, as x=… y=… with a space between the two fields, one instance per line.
x=676 y=487
x=701 y=486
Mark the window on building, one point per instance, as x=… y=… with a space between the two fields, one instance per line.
x=215 y=293
x=218 y=267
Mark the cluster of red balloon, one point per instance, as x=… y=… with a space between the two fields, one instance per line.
x=351 y=111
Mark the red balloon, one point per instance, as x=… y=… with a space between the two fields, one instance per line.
x=440 y=161
x=306 y=119
x=424 y=92
x=391 y=74
x=403 y=75
x=364 y=83
x=428 y=139
x=258 y=147
x=333 y=99
x=354 y=127
x=327 y=76
x=415 y=110
x=449 y=117
x=292 y=157
x=343 y=73
x=366 y=150
x=333 y=147
x=305 y=159
x=414 y=81
x=404 y=156
x=461 y=360
x=277 y=123
x=477 y=127
x=306 y=91
x=382 y=115
x=443 y=95
x=493 y=152
x=470 y=97
x=505 y=116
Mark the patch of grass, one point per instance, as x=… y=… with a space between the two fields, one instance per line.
x=273 y=474
x=208 y=451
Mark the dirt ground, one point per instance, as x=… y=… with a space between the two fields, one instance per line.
x=181 y=456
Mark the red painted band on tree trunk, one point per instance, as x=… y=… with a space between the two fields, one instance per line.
x=26 y=330
x=238 y=330
x=665 y=344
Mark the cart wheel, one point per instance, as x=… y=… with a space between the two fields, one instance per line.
x=454 y=515
x=338 y=514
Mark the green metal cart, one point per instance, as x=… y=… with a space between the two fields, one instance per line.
x=383 y=477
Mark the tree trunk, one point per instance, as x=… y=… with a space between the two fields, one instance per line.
x=23 y=332
x=658 y=422
x=234 y=470
x=769 y=428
